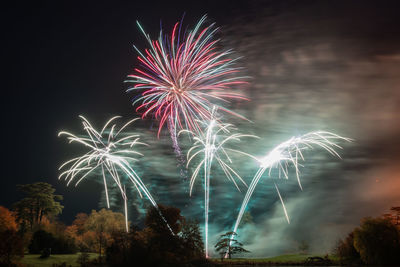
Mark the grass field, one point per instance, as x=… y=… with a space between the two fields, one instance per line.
x=281 y=259
x=33 y=260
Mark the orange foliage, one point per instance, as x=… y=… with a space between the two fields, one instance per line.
x=89 y=241
x=7 y=220
x=80 y=222
x=71 y=231
x=85 y=239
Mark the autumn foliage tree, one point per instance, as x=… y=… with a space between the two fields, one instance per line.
x=79 y=222
x=11 y=246
x=7 y=220
x=393 y=216
x=396 y=215
x=102 y=224
x=85 y=239
x=11 y=243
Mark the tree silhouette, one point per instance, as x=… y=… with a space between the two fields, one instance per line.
x=346 y=252
x=156 y=244
x=378 y=241
x=39 y=202
x=164 y=219
x=227 y=244
x=193 y=246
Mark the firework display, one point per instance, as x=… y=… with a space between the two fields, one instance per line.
x=212 y=147
x=183 y=81
x=112 y=152
x=182 y=76
x=288 y=154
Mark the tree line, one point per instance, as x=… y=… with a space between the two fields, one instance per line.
x=31 y=226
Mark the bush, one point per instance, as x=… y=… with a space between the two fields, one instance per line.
x=43 y=240
x=64 y=245
x=45 y=253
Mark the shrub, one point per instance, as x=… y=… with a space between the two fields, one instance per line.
x=43 y=240
x=63 y=245
x=45 y=253
x=40 y=240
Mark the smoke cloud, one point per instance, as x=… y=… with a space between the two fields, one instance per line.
x=312 y=68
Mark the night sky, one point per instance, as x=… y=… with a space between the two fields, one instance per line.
x=330 y=65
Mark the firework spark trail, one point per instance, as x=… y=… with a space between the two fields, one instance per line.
x=178 y=152
x=112 y=151
x=211 y=147
x=289 y=153
x=183 y=76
